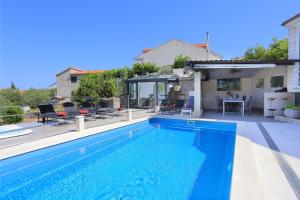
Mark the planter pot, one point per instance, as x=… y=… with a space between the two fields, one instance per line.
x=290 y=113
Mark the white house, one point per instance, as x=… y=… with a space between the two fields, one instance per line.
x=68 y=80
x=165 y=53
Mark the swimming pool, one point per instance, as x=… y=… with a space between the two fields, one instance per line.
x=154 y=159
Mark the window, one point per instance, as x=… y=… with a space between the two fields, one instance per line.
x=228 y=84
x=277 y=81
x=73 y=79
x=259 y=83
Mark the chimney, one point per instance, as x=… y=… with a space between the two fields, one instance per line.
x=208 y=46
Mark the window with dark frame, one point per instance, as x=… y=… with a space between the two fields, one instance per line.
x=73 y=79
x=231 y=84
x=277 y=81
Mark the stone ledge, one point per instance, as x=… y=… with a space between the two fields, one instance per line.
x=288 y=120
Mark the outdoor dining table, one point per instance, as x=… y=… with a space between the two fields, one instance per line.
x=234 y=101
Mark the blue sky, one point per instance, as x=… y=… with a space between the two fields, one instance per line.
x=40 y=38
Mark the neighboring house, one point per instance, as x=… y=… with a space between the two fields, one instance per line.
x=151 y=90
x=165 y=53
x=260 y=79
x=68 y=80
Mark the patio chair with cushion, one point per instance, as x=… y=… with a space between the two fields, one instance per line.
x=175 y=108
x=87 y=109
x=70 y=108
x=105 y=109
x=47 y=112
x=189 y=107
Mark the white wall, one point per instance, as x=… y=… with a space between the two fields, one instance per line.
x=167 y=52
x=258 y=94
x=64 y=85
x=294 y=48
x=209 y=88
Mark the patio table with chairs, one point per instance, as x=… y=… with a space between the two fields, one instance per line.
x=243 y=104
x=240 y=101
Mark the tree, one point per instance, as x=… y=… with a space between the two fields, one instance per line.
x=34 y=97
x=144 y=68
x=13 y=96
x=180 y=62
x=277 y=50
x=13 y=86
x=102 y=85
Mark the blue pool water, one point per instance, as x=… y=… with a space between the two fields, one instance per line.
x=155 y=159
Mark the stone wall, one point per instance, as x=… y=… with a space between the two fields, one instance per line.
x=186 y=85
x=112 y=102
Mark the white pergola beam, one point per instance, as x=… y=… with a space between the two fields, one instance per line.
x=230 y=66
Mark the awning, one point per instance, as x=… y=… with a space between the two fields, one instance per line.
x=239 y=64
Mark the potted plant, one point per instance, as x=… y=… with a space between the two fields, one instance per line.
x=292 y=111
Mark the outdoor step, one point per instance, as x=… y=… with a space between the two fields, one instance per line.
x=271 y=178
x=245 y=175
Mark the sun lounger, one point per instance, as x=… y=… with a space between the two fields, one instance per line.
x=47 y=112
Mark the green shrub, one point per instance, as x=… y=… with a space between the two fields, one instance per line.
x=144 y=68
x=16 y=113
x=292 y=107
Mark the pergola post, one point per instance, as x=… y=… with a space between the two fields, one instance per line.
x=197 y=94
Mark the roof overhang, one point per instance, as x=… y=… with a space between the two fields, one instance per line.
x=286 y=22
x=231 y=66
x=239 y=64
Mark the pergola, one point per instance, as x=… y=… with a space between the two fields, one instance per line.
x=200 y=66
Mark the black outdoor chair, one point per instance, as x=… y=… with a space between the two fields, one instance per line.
x=219 y=102
x=105 y=109
x=244 y=97
x=47 y=112
x=248 y=104
x=70 y=108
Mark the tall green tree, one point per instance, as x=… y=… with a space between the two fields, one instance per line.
x=277 y=50
x=13 y=86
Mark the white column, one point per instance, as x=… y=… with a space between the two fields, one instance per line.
x=79 y=123
x=156 y=109
x=197 y=94
x=129 y=115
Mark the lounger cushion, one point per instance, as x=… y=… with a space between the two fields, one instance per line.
x=62 y=114
x=83 y=111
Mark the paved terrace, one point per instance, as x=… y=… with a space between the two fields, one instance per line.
x=41 y=131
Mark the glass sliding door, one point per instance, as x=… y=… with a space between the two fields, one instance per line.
x=133 y=102
x=146 y=94
x=161 y=92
